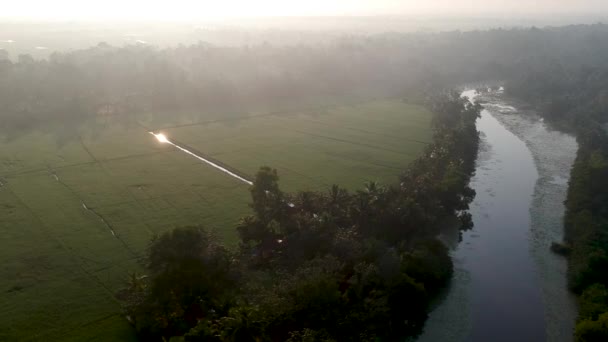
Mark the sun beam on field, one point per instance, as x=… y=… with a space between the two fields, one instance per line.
x=161 y=138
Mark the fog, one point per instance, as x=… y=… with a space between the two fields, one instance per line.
x=195 y=10
x=424 y=150
x=40 y=28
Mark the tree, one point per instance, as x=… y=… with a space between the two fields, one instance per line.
x=190 y=278
x=589 y=330
x=267 y=199
x=25 y=59
x=593 y=302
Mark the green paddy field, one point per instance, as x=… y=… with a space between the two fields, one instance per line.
x=77 y=214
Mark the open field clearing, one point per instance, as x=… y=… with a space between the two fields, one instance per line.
x=348 y=145
x=76 y=215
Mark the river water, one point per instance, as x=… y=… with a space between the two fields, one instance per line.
x=507 y=285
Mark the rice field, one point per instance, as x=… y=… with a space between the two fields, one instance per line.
x=77 y=213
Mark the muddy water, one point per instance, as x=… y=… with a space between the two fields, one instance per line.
x=507 y=285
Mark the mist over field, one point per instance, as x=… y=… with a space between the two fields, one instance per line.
x=304 y=170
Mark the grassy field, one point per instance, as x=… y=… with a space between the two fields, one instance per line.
x=77 y=214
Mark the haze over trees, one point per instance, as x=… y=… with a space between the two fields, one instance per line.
x=138 y=80
x=358 y=265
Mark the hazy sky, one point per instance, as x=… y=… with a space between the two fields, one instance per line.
x=195 y=9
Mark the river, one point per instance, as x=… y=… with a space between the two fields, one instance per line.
x=507 y=285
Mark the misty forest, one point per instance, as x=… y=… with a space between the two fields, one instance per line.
x=304 y=179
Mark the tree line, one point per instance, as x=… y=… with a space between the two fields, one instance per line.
x=65 y=91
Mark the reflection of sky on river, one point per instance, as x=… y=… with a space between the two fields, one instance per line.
x=554 y=153
x=505 y=297
x=496 y=293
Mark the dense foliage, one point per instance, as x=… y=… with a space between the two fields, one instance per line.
x=587 y=233
x=317 y=266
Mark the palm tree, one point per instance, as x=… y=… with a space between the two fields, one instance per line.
x=374 y=191
x=136 y=283
x=337 y=196
x=337 y=205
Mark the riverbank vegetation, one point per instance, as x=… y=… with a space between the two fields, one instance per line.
x=586 y=225
x=576 y=101
x=334 y=265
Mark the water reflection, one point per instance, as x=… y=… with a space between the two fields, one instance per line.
x=164 y=140
x=161 y=137
x=496 y=293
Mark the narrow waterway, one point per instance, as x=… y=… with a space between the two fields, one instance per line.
x=507 y=285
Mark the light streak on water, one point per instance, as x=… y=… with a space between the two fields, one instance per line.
x=163 y=139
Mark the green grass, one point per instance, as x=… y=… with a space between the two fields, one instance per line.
x=61 y=265
x=346 y=146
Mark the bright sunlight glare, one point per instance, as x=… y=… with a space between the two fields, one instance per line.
x=161 y=138
x=183 y=9
x=178 y=10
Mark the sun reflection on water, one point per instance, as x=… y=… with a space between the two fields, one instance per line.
x=161 y=138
